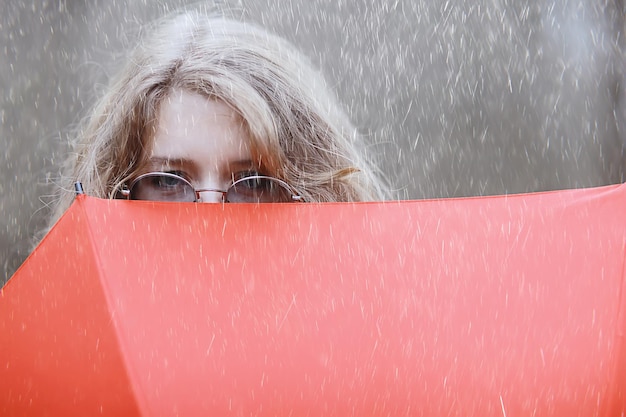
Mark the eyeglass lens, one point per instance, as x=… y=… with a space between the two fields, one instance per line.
x=170 y=187
x=257 y=190
x=162 y=187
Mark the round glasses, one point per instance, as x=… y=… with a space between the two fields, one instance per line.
x=165 y=186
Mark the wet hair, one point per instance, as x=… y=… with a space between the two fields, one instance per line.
x=297 y=130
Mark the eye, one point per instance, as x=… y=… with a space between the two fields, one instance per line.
x=178 y=173
x=163 y=181
x=258 y=189
x=162 y=186
x=255 y=183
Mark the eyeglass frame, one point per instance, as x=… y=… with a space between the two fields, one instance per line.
x=125 y=190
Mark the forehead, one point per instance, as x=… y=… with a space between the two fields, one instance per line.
x=193 y=127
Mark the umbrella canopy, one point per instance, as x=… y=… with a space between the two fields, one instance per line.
x=510 y=305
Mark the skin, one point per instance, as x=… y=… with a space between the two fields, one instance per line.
x=202 y=140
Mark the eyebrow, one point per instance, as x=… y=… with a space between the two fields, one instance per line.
x=172 y=161
x=188 y=163
x=242 y=163
x=162 y=164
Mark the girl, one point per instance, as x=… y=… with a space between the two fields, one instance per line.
x=210 y=109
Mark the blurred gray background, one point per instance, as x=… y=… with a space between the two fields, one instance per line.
x=456 y=97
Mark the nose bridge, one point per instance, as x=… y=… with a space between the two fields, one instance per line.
x=210 y=188
x=210 y=196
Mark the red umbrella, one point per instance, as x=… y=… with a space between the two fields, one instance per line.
x=495 y=306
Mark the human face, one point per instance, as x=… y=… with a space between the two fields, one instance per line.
x=202 y=140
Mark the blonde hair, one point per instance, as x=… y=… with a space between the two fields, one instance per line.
x=298 y=132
